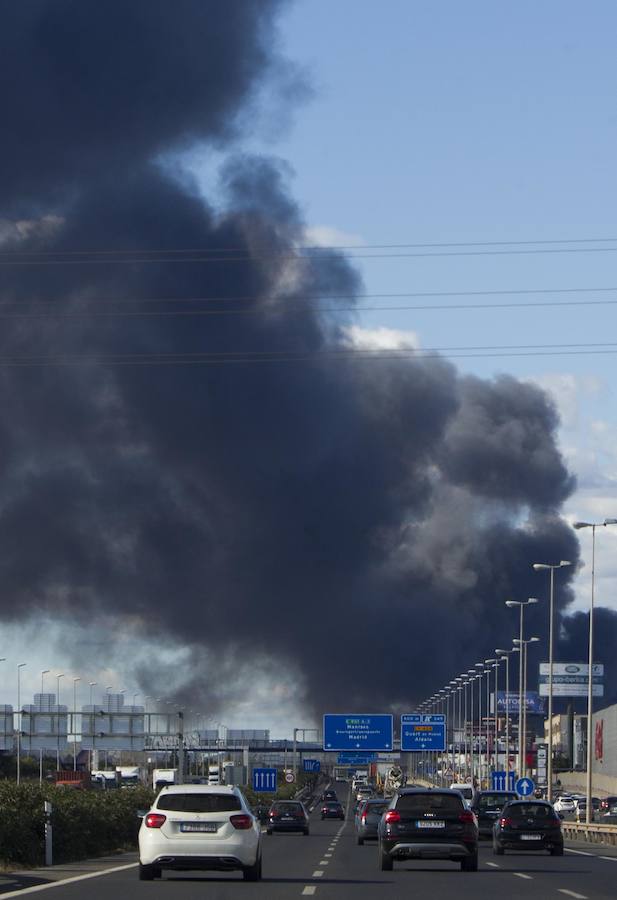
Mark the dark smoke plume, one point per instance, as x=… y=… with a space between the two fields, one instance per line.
x=355 y=522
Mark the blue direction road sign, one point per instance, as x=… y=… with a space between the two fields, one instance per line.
x=311 y=765
x=423 y=732
x=524 y=787
x=503 y=781
x=357 y=759
x=357 y=732
x=264 y=780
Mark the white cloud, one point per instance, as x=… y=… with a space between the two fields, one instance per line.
x=327 y=236
x=381 y=338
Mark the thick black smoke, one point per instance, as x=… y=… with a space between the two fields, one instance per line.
x=352 y=524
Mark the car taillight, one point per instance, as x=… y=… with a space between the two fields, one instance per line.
x=241 y=822
x=467 y=817
x=392 y=816
x=505 y=822
x=364 y=818
x=155 y=820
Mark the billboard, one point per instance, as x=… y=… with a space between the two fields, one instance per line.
x=572 y=679
x=534 y=703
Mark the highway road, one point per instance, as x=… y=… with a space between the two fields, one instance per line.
x=328 y=865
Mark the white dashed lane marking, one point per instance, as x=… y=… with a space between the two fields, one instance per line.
x=572 y=893
x=309 y=890
x=493 y=865
x=522 y=875
x=317 y=873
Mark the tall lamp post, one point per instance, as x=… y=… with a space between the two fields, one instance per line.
x=19 y=668
x=74 y=722
x=479 y=673
x=58 y=677
x=489 y=663
x=542 y=567
x=521 y=751
x=593 y=526
x=505 y=654
x=472 y=677
x=523 y=646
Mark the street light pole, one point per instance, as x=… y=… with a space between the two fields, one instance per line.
x=523 y=648
x=472 y=676
x=539 y=567
x=506 y=655
x=19 y=668
x=489 y=663
x=58 y=677
x=593 y=526
x=521 y=718
x=73 y=722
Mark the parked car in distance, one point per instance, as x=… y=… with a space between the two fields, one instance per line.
x=332 y=809
x=199 y=826
x=528 y=825
x=487 y=806
x=428 y=823
x=287 y=815
x=368 y=817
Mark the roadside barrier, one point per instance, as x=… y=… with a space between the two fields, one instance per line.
x=594 y=833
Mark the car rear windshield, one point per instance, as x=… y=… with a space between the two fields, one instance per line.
x=199 y=803
x=419 y=803
x=332 y=804
x=494 y=801
x=375 y=807
x=530 y=810
x=286 y=807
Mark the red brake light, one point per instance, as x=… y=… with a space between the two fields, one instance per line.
x=242 y=822
x=505 y=822
x=467 y=816
x=392 y=816
x=155 y=820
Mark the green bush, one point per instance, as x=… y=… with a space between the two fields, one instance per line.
x=85 y=823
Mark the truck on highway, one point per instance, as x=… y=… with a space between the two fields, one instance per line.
x=162 y=777
x=130 y=776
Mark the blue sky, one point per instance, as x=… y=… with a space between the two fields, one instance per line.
x=450 y=122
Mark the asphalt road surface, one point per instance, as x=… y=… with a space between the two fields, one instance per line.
x=328 y=865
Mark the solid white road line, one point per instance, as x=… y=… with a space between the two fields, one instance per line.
x=572 y=894
x=610 y=858
x=309 y=890
x=522 y=875
x=317 y=873
x=53 y=884
x=579 y=852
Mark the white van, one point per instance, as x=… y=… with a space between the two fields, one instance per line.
x=467 y=790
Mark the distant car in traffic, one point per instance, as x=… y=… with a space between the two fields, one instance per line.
x=581 y=809
x=332 y=809
x=428 y=823
x=328 y=795
x=287 y=815
x=487 y=806
x=199 y=826
x=528 y=825
x=368 y=817
x=364 y=793
x=607 y=803
x=565 y=804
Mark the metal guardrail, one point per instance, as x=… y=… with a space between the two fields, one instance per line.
x=595 y=833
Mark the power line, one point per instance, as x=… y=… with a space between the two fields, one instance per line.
x=142 y=257
x=315 y=247
x=262 y=356
x=290 y=302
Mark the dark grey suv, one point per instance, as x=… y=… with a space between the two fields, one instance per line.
x=424 y=823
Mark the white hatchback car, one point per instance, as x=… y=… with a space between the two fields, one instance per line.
x=200 y=826
x=564 y=804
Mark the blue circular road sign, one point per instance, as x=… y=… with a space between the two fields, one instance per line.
x=524 y=787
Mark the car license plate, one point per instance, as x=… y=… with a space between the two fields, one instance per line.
x=203 y=827
x=531 y=837
x=437 y=823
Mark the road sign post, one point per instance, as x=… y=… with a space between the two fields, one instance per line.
x=421 y=732
x=524 y=787
x=264 y=780
x=358 y=732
